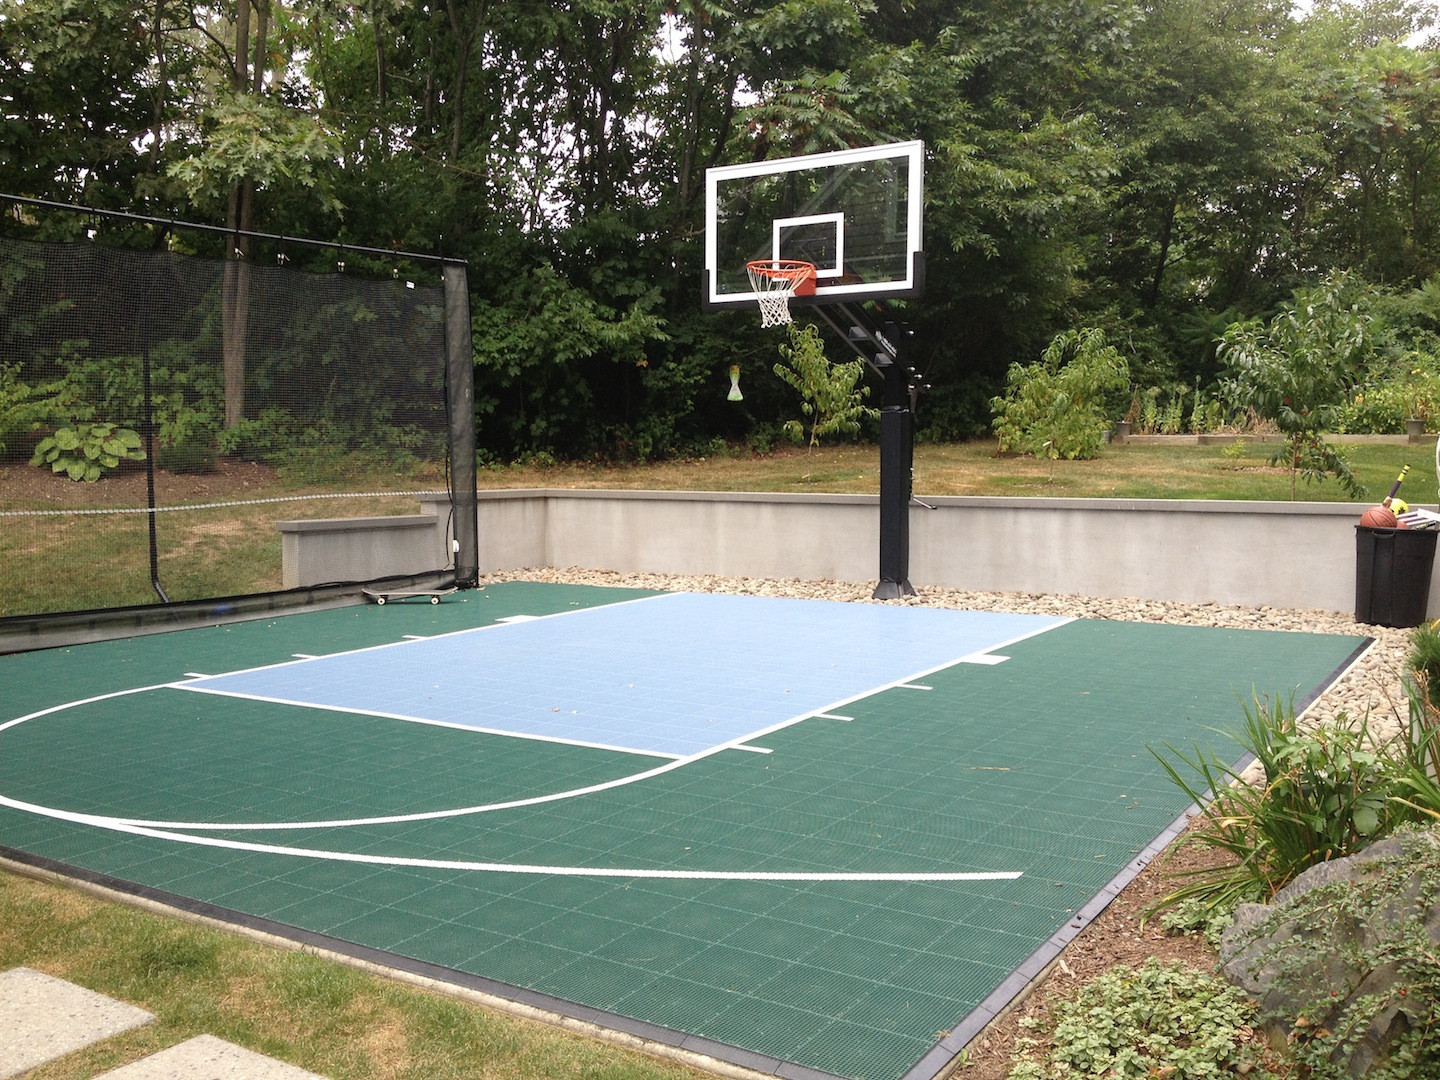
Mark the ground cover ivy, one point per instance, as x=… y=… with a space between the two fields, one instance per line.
x=1160 y=1019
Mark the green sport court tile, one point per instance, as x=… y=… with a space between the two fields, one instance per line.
x=1036 y=765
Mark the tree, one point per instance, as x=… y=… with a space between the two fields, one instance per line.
x=245 y=137
x=1297 y=371
x=89 y=91
x=1156 y=170
x=832 y=398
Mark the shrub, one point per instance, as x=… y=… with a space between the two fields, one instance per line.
x=1419 y=780
x=24 y=408
x=1405 y=388
x=188 y=442
x=833 y=401
x=1357 y=987
x=1424 y=661
x=1055 y=408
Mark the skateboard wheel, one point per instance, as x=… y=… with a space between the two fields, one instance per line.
x=380 y=600
x=434 y=599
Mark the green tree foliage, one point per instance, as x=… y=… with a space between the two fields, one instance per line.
x=531 y=346
x=24 y=409
x=1297 y=371
x=1158 y=170
x=255 y=140
x=1055 y=407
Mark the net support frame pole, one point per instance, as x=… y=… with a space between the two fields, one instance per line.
x=460 y=400
x=148 y=419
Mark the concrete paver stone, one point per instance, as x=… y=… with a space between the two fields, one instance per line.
x=43 y=1018
x=207 y=1058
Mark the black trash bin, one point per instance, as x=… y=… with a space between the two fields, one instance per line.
x=1392 y=575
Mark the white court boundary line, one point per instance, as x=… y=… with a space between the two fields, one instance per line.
x=99 y=821
x=194 y=683
x=170 y=830
x=408 y=719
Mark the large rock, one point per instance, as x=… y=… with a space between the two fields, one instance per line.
x=1334 y=937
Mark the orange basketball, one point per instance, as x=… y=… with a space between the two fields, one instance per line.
x=1378 y=517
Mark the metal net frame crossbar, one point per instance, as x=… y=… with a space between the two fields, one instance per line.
x=188 y=393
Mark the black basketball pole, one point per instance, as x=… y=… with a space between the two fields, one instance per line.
x=897 y=449
x=881 y=349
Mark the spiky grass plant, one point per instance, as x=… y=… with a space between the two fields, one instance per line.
x=1321 y=793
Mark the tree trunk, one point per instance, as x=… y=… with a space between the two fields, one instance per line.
x=235 y=303
x=235 y=294
x=464 y=36
x=382 y=82
x=1167 y=231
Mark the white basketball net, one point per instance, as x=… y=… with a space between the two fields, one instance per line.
x=774 y=283
x=775 y=308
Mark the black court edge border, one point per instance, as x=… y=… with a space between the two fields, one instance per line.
x=559 y=1007
x=50 y=630
x=933 y=1065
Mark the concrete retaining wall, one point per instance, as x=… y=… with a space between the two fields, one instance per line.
x=1294 y=555
x=359 y=549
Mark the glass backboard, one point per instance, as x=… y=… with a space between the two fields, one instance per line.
x=855 y=214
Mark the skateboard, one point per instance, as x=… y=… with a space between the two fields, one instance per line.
x=382 y=596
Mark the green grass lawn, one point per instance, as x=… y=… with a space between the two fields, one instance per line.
x=78 y=562
x=1121 y=472
x=301 y=1008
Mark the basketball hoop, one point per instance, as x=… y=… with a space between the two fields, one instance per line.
x=775 y=281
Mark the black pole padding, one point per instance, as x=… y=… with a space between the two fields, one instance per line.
x=460 y=401
x=897 y=456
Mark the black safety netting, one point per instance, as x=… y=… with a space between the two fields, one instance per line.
x=165 y=419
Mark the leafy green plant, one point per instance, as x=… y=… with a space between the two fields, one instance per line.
x=1055 y=408
x=1323 y=793
x=1234 y=451
x=1406 y=387
x=1157 y=1020
x=1424 y=660
x=1192 y=916
x=832 y=397
x=1420 y=385
x=1150 y=411
x=86 y=451
x=188 y=441
x=1297 y=371
x=1420 y=769
x=1206 y=414
x=24 y=408
x=1172 y=421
